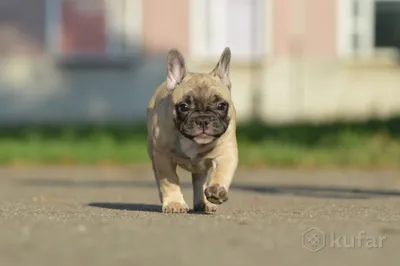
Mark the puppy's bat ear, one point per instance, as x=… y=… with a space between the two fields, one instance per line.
x=176 y=69
x=221 y=70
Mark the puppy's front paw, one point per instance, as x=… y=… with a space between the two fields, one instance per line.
x=216 y=194
x=205 y=207
x=175 y=207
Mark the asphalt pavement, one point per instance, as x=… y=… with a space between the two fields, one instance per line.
x=61 y=215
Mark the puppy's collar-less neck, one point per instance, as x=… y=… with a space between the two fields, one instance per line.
x=192 y=149
x=189 y=147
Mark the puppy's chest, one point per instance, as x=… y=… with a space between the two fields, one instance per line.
x=191 y=156
x=189 y=148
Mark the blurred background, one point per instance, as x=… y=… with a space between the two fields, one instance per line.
x=315 y=83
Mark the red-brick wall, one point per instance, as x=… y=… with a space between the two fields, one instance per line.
x=165 y=25
x=315 y=20
x=83 y=31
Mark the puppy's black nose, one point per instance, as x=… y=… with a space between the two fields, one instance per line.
x=202 y=121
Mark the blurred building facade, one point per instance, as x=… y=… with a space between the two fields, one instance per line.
x=100 y=60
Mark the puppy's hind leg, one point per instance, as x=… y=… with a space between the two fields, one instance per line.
x=168 y=185
x=200 y=203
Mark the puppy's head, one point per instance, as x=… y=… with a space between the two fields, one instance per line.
x=202 y=105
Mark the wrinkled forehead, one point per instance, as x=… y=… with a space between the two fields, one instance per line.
x=201 y=100
x=201 y=88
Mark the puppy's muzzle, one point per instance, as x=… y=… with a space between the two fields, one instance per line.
x=202 y=122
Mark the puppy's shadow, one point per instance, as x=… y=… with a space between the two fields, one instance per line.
x=141 y=207
x=127 y=206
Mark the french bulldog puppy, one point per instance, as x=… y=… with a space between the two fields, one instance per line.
x=191 y=123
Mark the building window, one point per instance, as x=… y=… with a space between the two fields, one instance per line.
x=368 y=27
x=387 y=24
x=238 y=24
x=92 y=28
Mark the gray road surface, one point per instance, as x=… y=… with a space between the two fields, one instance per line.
x=58 y=216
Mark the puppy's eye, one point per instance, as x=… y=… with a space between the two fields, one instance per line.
x=183 y=107
x=222 y=106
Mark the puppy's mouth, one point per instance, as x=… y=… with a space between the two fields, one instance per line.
x=203 y=138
